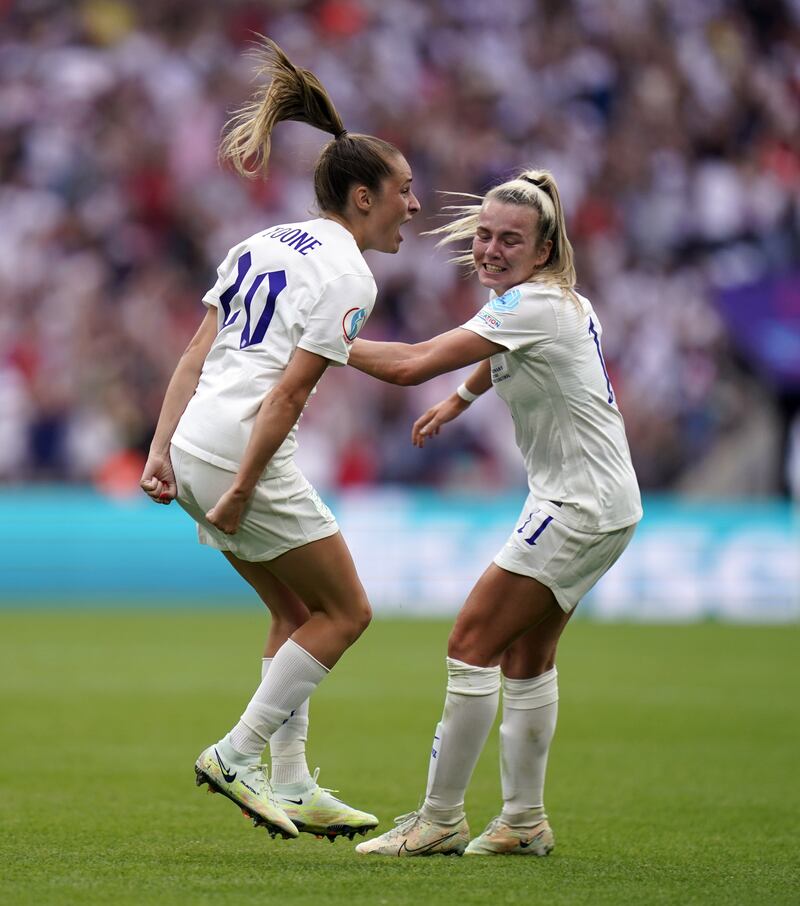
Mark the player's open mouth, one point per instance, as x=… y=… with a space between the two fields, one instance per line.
x=493 y=269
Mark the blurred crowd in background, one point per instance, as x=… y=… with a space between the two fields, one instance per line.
x=672 y=127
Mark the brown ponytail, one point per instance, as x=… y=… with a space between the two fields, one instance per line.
x=291 y=93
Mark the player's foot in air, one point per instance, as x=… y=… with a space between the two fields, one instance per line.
x=499 y=839
x=315 y=810
x=248 y=786
x=414 y=835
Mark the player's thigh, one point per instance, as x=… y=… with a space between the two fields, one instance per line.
x=322 y=574
x=283 y=603
x=500 y=608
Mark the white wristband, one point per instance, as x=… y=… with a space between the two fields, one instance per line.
x=467 y=395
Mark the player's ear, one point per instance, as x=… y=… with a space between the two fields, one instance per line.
x=362 y=199
x=543 y=252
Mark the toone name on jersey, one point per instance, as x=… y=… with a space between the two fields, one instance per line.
x=294 y=238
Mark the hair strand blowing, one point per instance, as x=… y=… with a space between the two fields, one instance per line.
x=290 y=93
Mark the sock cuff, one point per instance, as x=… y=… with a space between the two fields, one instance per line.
x=528 y=694
x=302 y=651
x=464 y=679
x=266 y=663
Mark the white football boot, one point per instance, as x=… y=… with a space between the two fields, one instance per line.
x=414 y=835
x=315 y=810
x=248 y=787
x=499 y=839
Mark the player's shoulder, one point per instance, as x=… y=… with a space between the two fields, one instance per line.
x=539 y=296
x=321 y=245
x=525 y=300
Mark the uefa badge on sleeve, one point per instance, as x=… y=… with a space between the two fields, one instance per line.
x=507 y=302
x=352 y=322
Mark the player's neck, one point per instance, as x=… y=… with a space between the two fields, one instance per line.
x=351 y=228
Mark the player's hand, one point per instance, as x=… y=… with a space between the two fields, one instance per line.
x=227 y=513
x=158 y=479
x=428 y=425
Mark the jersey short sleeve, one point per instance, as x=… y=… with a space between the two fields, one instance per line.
x=338 y=315
x=211 y=298
x=522 y=317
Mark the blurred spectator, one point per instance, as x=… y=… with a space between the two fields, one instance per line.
x=672 y=128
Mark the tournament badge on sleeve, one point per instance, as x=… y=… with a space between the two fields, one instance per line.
x=352 y=323
x=507 y=302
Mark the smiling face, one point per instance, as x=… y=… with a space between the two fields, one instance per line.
x=392 y=206
x=506 y=247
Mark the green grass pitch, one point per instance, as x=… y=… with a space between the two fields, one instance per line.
x=673 y=777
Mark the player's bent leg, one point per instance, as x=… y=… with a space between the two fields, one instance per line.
x=315 y=810
x=414 y=835
x=247 y=785
x=323 y=576
x=483 y=631
x=501 y=839
x=288 y=611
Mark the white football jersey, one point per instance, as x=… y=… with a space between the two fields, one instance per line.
x=295 y=285
x=568 y=427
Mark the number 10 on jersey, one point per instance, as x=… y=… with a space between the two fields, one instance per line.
x=276 y=282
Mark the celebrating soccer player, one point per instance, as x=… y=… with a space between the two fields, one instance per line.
x=288 y=302
x=538 y=344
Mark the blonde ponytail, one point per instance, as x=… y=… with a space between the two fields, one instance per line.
x=533 y=188
x=560 y=265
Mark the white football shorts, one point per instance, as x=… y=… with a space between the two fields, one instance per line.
x=285 y=511
x=568 y=562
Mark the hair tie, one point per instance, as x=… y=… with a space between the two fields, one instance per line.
x=341 y=134
x=531 y=181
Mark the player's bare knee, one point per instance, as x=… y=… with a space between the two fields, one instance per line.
x=362 y=617
x=468 y=644
x=349 y=624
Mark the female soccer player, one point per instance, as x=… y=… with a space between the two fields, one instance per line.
x=538 y=344
x=287 y=303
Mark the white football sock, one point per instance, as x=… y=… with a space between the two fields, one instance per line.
x=530 y=709
x=293 y=675
x=287 y=744
x=469 y=710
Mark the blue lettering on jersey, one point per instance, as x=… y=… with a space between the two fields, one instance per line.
x=226 y=298
x=251 y=335
x=295 y=238
x=593 y=332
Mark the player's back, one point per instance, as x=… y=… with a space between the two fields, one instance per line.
x=293 y=285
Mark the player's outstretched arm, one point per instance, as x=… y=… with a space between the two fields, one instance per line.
x=158 y=479
x=407 y=364
x=429 y=424
x=279 y=411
